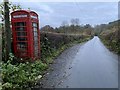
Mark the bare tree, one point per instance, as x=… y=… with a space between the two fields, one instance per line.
x=74 y=24
x=65 y=26
x=75 y=21
x=64 y=23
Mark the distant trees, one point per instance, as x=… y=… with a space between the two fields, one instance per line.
x=47 y=28
x=75 y=22
x=72 y=27
x=88 y=29
x=65 y=23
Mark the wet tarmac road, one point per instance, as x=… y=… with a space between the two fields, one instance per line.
x=90 y=65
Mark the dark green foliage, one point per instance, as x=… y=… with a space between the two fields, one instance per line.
x=23 y=75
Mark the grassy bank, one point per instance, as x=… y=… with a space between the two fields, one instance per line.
x=112 y=45
x=110 y=35
x=111 y=41
x=25 y=75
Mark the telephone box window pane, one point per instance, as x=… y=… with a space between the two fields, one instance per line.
x=20 y=29
x=34 y=29
x=36 y=50
x=22 y=46
x=20 y=24
x=36 y=46
x=21 y=39
x=35 y=34
x=35 y=39
x=21 y=33
x=36 y=53
x=34 y=24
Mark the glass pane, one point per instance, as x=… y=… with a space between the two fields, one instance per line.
x=35 y=34
x=35 y=39
x=21 y=33
x=22 y=46
x=21 y=39
x=20 y=29
x=34 y=29
x=36 y=50
x=34 y=24
x=20 y=24
x=36 y=46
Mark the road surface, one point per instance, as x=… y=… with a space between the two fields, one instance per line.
x=90 y=65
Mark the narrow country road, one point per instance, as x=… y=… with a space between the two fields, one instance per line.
x=90 y=65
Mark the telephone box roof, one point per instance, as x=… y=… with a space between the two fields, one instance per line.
x=27 y=11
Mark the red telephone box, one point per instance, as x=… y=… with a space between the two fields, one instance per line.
x=26 y=34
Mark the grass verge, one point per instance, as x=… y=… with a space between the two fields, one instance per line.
x=112 y=45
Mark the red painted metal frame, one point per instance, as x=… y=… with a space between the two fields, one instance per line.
x=30 y=34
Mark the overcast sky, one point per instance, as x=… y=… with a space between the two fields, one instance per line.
x=54 y=13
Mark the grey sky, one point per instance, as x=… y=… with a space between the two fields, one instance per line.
x=51 y=13
x=87 y=12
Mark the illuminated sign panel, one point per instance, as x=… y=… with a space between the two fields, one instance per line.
x=34 y=17
x=19 y=16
